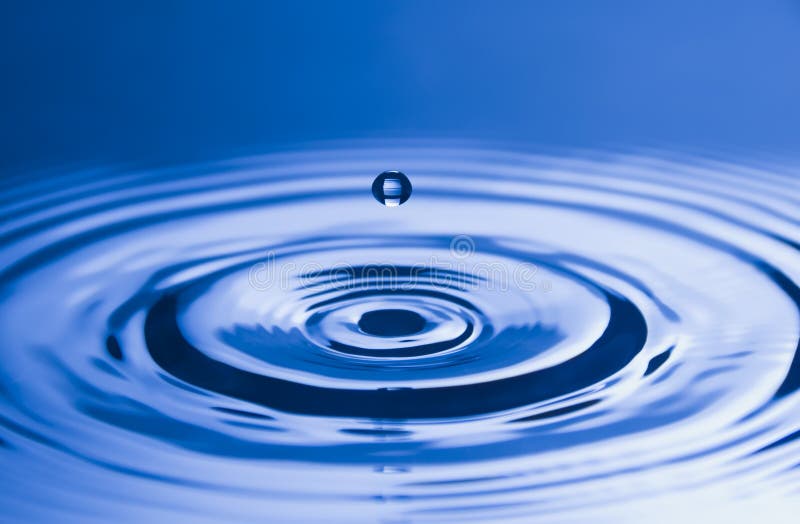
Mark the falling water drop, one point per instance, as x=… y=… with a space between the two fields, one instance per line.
x=391 y=188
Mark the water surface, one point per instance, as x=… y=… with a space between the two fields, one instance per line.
x=612 y=337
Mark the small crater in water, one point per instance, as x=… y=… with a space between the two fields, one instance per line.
x=391 y=322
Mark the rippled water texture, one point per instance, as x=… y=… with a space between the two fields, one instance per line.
x=605 y=339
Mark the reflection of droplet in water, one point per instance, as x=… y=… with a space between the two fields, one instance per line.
x=391 y=188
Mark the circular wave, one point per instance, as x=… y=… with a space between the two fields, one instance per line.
x=528 y=336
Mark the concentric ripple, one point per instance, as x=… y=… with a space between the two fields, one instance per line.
x=529 y=337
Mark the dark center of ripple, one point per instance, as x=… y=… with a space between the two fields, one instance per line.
x=391 y=323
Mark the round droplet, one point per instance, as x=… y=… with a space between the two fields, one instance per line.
x=391 y=188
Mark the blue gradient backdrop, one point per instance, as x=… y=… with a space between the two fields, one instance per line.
x=172 y=81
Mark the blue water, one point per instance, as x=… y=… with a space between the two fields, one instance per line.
x=528 y=338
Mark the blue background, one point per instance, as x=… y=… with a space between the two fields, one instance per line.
x=98 y=82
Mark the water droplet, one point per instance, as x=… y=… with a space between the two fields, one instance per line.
x=391 y=188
